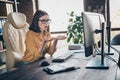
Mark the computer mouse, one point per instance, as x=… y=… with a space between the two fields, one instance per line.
x=44 y=63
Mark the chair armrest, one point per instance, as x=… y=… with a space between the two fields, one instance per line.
x=12 y=58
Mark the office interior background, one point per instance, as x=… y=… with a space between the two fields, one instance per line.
x=58 y=10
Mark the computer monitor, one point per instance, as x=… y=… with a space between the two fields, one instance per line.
x=91 y=22
x=94 y=36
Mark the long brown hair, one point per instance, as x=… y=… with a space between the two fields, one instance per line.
x=34 y=25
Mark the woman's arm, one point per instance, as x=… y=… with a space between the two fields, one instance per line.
x=44 y=47
x=53 y=44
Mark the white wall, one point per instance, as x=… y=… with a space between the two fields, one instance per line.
x=115 y=12
x=115 y=16
x=58 y=9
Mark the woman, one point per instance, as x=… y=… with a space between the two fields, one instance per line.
x=38 y=39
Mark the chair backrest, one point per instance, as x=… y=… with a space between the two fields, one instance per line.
x=14 y=35
x=116 y=40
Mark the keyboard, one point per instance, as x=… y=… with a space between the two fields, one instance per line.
x=63 y=57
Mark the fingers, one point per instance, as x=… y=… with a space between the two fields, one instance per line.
x=61 y=37
x=48 y=39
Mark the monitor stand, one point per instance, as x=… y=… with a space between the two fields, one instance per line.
x=100 y=62
x=108 y=51
x=109 y=37
x=95 y=63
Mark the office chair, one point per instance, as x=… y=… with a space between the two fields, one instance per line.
x=14 y=35
x=116 y=40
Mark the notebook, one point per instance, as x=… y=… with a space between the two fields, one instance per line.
x=57 y=68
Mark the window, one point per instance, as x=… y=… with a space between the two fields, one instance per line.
x=58 y=9
x=115 y=13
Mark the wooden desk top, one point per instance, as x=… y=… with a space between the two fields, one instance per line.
x=33 y=71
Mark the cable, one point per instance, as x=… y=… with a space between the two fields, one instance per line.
x=96 y=49
x=107 y=56
x=118 y=63
x=112 y=59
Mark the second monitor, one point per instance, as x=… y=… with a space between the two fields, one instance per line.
x=94 y=38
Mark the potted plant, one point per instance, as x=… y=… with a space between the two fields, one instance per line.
x=75 y=29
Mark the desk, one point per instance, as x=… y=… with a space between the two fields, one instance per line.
x=34 y=72
x=3 y=55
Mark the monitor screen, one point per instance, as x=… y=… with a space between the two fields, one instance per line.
x=91 y=23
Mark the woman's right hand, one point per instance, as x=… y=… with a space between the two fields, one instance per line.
x=60 y=37
x=46 y=39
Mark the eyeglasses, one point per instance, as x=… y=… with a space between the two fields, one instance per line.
x=45 y=21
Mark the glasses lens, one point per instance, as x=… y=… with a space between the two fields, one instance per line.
x=45 y=21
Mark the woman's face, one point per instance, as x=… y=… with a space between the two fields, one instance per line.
x=43 y=22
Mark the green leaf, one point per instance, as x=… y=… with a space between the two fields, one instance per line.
x=77 y=18
x=68 y=39
x=72 y=13
x=75 y=28
x=70 y=20
x=76 y=40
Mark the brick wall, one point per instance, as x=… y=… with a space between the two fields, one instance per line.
x=26 y=7
x=3 y=11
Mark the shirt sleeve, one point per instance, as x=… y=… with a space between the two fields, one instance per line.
x=51 y=49
x=31 y=53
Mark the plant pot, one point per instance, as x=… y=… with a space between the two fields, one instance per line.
x=75 y=46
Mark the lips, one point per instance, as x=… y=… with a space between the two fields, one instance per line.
x=46 y=26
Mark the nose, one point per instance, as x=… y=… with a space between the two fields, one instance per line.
x=47 y=23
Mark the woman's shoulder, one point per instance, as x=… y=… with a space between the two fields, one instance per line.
x=30 y=33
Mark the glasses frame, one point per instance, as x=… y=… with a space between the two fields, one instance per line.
x=45 y=21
